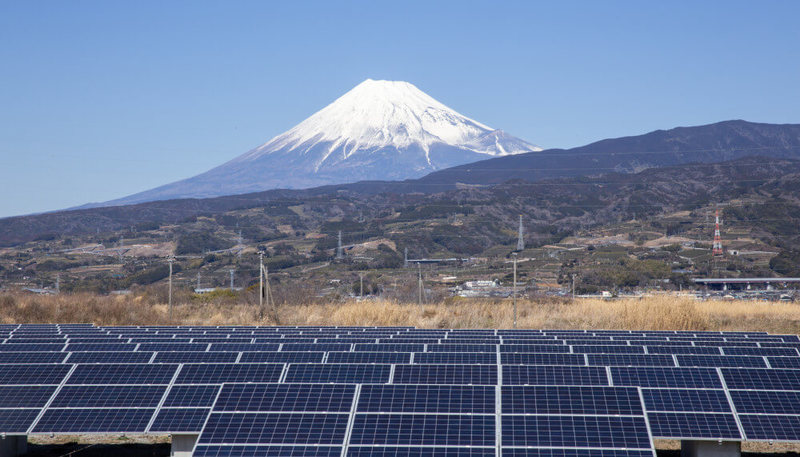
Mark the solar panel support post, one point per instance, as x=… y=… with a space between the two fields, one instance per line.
x=170 y=288
x=261 y=285
x=698 y=448
x=183 y=445
x=12 y=446
x=514 y=285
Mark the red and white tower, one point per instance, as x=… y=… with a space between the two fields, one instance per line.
x=717 y=246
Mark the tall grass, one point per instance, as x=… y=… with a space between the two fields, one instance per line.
x=654 y=313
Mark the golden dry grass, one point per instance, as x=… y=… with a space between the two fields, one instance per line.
x=652 y=313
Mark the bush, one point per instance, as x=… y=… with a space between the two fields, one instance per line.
x=199 y=242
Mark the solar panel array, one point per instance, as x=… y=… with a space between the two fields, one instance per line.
x=399 y=391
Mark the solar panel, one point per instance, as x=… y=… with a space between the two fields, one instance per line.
x=285 y=397
x=608 y=349
x=654 y=360
x=424 y=429
x=766 y=401
x=570 y=400
x=109 y=357
x=684 y=400
x=784 y=362
x=462 y=358
x=693 y=425
x=445 y=374
x=108 y=397
x=33 y=374
x=196 y=357
x=100 y=347
x=534 y=348
x=191 y=395
x=534 y=452
x=274 y=428
x=338 y=373
x=666 y=377
x=93 y=420
x=24 y=347
x=761 y=379
x=122 y=374
x=393 y=347
x=282 y=357
x=187 y=420
x=244 y=347
x=789 y=352
x=267 y=451
x=770 y=427
x=554 y=375
x=17 y=420
x=216 y=373
x=407 y=451
x=462 y=348
x=330 y=347
x=575 y=431
x=426 y=399
x=25 y=396
x=172 y=347
x=369 y=357
x=32 y=357
x=540 y=359
x=720 y=361
x=697 y=350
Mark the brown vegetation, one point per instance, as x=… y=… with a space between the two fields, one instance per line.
x=651 y=313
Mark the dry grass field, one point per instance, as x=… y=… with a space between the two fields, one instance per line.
x=651 y=313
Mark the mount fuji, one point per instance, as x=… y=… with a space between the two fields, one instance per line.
x=379 y=130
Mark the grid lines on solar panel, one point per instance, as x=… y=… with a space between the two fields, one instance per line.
x=534 y=452
x=110 y=357
x=32 y=357
x=282 y=357
x=413 y=451
x=570 y=400
x=766 y=401
x=462 y=348
x=196 y=357
x=17 y=420
x=369 y=357
x=180 y=420
x=761 y=379
x=534 y=348
x=693 y=425
x=94 y=420
x=191 y=395
x=339 y=373
x=243 y=347
x=684 y=400
x=652 y=360
x=554 y=375
x=274 y=428
x=770 y=427
x=215 y=373
x=666 y=377
x=25 y=396
x=607 y=349
x=122 y=374
x=100 y=347
x=267 y=451
x=445 y=374
x=698 y=350
x=173 y=347
x=541 y=359
x=109 y=396
x=575 y=431
x=784 y=362
x=33 y=374
x=36 y=347
x=423 y=429
x=786 y=352
x=328 y=347
x=426 y=399
x=285 y=397
x=390 y=347
x=720 y=361
x=464 y=358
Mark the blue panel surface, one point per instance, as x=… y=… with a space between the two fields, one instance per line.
x=276 y=428
x=122 y=374
x=32 y=357
x=570 y=400
x=666 y=377
x=770 y=427
x=575 y=431
x=766 y=401
x=267 y=451
x=33 y=374
x=285 y=397
x=761 y=379
x=369 y=357
x=192 y=395
x=94 y=420
x=693 y=426
x=180 y=420
x=784 y=362
x=678 y=400
x=720 y=361
x=461 y=358
x=110 y=357
x=17 y=420
x=413 y=451
x=445 y=374
x=554 y=375
x=25 y=396
x=642 y=360
x=216 y=373
x=196 y=357
x=424 y=429
x=282 y=357
x=426 y=399
x=108 y=397
x=339 y=373
x=541 y=359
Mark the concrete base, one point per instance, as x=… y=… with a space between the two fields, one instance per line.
x=12 y=446
x=183 y=445
x=711 y=448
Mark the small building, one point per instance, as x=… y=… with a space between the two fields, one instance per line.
x=747 y=283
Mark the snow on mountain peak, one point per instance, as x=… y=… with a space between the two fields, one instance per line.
x=377 y=114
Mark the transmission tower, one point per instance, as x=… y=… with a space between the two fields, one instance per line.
x=717 y=246
x=520 y=240
x=339 y=252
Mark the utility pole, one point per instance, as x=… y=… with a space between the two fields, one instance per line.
x=339 y=250
x=232 y=270
x=419 y=284
x=514 y=286
x=198 y=281
x=58 y=283
x=261 y=284
x=361 y=289
x=573 y=286
x=169 y=300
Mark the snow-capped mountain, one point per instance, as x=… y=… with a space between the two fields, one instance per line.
x=379 y=130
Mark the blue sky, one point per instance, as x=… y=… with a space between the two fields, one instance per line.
x=101 y=99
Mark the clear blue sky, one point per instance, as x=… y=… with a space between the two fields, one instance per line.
x=101 y=99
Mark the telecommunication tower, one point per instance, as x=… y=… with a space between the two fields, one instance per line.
x=717 y=246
